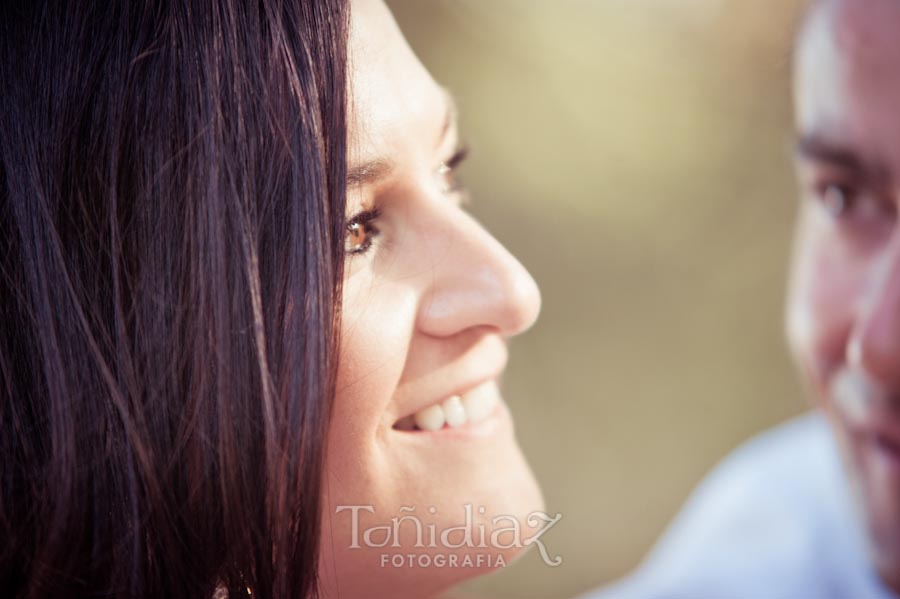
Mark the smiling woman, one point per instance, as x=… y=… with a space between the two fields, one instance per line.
x=429 y=299
x=244 y=315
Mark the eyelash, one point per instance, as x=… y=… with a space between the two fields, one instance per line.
x=450 y=166
x=367 y=218
x=364 y=219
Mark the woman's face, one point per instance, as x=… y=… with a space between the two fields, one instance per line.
x=430 y=300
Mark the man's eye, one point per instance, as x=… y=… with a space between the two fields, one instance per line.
x=837 y=199
x=845 y=201
x=361 y=232
x=857 y=209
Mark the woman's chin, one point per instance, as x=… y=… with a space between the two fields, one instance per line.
x=516 y=497
x=421 y=543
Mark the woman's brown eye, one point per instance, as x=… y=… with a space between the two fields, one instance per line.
x=357 y=238
x=360 y=232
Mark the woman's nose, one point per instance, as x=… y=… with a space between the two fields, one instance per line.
x=874 y=344
x=475 y=282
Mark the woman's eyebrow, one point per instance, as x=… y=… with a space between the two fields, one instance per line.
x=369 y=172
x=378 y=169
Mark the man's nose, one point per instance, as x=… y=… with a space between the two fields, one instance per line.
x=476 y=282
x=875 y=339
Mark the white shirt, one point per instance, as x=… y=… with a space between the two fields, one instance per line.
x=773 y=521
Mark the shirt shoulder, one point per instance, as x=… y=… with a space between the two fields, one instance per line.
x=773 y=519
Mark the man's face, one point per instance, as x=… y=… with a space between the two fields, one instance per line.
x=843 y=314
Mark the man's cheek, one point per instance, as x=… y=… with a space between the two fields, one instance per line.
x=826 y=287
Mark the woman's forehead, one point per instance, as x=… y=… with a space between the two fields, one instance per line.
x=393 y=98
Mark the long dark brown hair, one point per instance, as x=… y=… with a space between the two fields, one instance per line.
x=171 y=239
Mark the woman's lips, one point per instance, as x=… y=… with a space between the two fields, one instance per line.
x=474 y=405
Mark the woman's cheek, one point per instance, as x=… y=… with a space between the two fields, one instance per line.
x=376 y=326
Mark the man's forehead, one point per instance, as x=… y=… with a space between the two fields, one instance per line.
x=847 y=78
x=866 y=31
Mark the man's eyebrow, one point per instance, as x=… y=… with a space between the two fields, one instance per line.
x=816 y=148
x=813 y=147
x=373 y=171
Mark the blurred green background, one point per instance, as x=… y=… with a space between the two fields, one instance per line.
x=636 y=156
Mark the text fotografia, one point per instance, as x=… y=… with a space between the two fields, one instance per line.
x=441 y=560
x=505 y=533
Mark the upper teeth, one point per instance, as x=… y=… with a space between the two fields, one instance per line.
x=456 y=410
